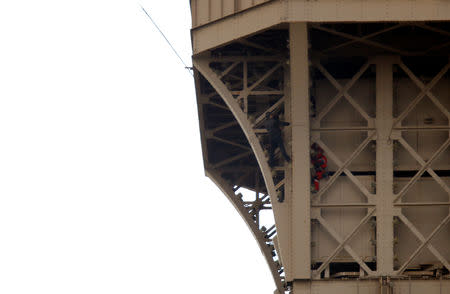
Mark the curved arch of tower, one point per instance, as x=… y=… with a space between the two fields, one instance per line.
x=367 y=83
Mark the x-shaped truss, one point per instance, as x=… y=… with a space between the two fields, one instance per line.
x=343 y=244
x=367 y=39
x=249 y=211
x=425 y=165
x=247 y=90
x=241 y=97
x=424 y=242
x=343 y=166
x=237 y=103
x=425 y=91
x=343 y=93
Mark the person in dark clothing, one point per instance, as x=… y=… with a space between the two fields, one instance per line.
x=273 y=126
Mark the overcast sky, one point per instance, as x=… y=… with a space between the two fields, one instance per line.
x=102 y=188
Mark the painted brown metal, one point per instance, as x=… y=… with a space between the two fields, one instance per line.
x=368 y=82
x=210 y=30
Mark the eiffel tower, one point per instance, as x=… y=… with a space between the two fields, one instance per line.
x=364 y=204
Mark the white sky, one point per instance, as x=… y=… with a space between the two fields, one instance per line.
x=102 y=188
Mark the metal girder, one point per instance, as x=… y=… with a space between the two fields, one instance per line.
x=342 y=92
x=425 y=91
x=272 y=108
x=264 y=241
x=422 y=239
x=235 y=82
x=406 y=204
x=226 y=71
x=262 y=58
x=342 y=205
x=246 y=91
x=202 y=64
x=299 y=175
x=384 y=165
x=365 y=39
x=273 y=13
x=425 y=166
x=201 y=122
x=343 y=167
x=231 y=159
x=343 y=243
x=228 y=142
x=254 y=45
x=382 y=126
x=361 y=40
x=425 y=242
x=224 y=126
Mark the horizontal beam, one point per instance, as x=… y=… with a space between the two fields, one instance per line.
x=273 y=13
x=406 y=204
x=423 y=128
x=342 y=205
x=343 y=129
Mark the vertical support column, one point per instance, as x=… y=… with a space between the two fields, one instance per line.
x=286 y=206
x=300 y=204
x=384 y=166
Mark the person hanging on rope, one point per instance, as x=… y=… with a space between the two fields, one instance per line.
x=273 y=126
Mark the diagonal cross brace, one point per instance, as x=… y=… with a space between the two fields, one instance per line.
x=422 y=170
x=231 y=159
x=343 y=243
x=270 y=109
x=258 y=234
x=425 y=91
x=423 y=163
x=347 y=248
x=360 y=39
x=228 y=69
x=229 y=142
x=343 y=166
x=424 y=243
x=342 y=92
x=223 y=127
x=394 y=27
x=422 y=239
x=247 y=90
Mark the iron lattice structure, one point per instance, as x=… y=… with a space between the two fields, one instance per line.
x=377 y=102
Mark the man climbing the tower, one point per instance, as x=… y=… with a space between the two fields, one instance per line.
x=273 y=126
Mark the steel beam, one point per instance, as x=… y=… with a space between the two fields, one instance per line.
x=384 y=166
x=257 y=233
x=342 y=92
x=343 y=167
x=343 y=243
x=425 y=242
x=300 y=205
x=422 y=239
x=205 y=34
x=202 y=64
